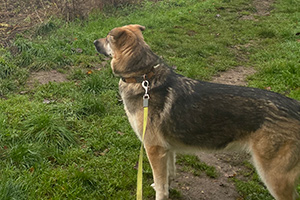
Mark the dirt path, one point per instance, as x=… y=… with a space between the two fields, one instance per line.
x=203 y=187
x=235 y=76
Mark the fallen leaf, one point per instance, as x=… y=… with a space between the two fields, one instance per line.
x=23 y=92
x=4 y=25
x=47 y=101
x=51 y=159
x=268 y=88
x=79 y=50
x=136 y=165
x=89 y=72
x=230 y=175
x=120 y=133
x=31 y=169
x=99 y=153
x=104 y=152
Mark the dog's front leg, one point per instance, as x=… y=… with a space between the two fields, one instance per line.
x=158 y=157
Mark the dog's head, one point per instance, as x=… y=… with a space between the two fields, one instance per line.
x=126 y=46
x=119 y=39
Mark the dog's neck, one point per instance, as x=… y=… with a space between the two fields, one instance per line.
x=139 y=79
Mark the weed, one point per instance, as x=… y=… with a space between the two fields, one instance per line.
x=175 y=194
x=98 y=82
x=11 y=76
x=48 y=129
x=11 y=190
x=77 y=74
x=25 y=155
x=89 y=104
x=252 y=190
x=46 y=27
x=266 y=34
x=193 y=164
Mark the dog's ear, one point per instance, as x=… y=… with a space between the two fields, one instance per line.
x=142 y=28
x=134 y=27
x=116 y=33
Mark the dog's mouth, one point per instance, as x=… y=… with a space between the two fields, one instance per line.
x=103 y=48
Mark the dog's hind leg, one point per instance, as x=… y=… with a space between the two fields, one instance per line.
x=158 y=157
x=278 y=165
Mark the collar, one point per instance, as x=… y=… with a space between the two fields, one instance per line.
x=140 y=79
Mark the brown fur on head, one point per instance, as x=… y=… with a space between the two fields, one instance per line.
x=128 y=50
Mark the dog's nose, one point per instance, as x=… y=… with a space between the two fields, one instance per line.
x=95 y=41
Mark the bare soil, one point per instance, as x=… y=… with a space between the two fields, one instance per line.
x=44 y=77
x=202 y=187
x=235 y=76
x=263 y=7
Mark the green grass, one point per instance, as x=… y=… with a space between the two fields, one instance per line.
x=78 y=144
x=11 y=76
x=193 y=165
x=253 y=188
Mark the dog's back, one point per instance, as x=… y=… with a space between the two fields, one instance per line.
x=210 y=115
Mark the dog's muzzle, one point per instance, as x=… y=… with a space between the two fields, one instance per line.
x=101 y=49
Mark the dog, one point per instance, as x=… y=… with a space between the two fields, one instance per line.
x=187 y=115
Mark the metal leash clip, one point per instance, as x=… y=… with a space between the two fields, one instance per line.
x=145 y=85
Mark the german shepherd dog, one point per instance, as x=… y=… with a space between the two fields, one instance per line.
x=189 y=115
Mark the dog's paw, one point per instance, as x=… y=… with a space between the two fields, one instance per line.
x=153 y=185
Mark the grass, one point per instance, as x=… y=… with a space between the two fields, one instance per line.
x=193 y=165
x=11 y=76
x=79 y=144
x=253 y=188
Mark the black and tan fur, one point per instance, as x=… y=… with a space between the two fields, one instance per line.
x=189 y=115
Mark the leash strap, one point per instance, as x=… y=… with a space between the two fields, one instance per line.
x=139 y=192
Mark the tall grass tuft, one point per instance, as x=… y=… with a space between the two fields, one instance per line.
x=48 y=129
x=11 y=190
x=99 y=82
x=89 y=104
x=11 y=76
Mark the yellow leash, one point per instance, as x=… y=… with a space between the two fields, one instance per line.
x=139 y=192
